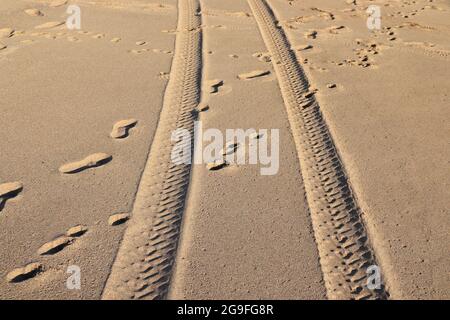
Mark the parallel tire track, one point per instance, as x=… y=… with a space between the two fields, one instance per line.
x=143 y=266
x=342 y=241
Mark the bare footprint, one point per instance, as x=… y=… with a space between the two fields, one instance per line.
x=9 y=190
x=91 y=161
x=24 y=273
x=54 y=246
x=115 y=40
x=121 y=128
x=253 y=74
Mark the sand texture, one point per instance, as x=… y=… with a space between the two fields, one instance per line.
x=94 y=120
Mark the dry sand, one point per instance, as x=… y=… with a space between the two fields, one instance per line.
x=86 y=177
x=59 y=102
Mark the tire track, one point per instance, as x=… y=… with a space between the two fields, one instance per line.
x=144 y=262
x=344 y=249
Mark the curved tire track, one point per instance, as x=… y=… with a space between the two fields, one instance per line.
x=144 y=262
x=344 y=249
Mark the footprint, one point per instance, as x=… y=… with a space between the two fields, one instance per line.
x=6 y=33
x=34 y=12
x=164 y=75
x=216 y=165
x=76 y=231
x=311 y=34
x=263 y=56
x=51 y=24
x=327 y=15
x=229 y=148
x=54 y=246
x=141 y=43
x=136 y=51
x=216 y=26
x=117 y=219
x=335 y=29
x=9 y=190
x=233 y=56
x=202 y=107
x=213 y=85
x=162 y=51
x=304 y=47
x=24 y=273
x=240 y=14
x=91 y=161
x=172 y=31
x=3 y=46
x=310 y=93
x=57 y=3
x=98 y=36
x=115 y=40
x=331 y=85
x=253 y=74
x=157 y=7
x=121 y=128
x=255 y=136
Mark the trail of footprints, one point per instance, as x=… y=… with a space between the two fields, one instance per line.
x=366 y=50
x=229 y=149
x=54 y=30
x=120 y=130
